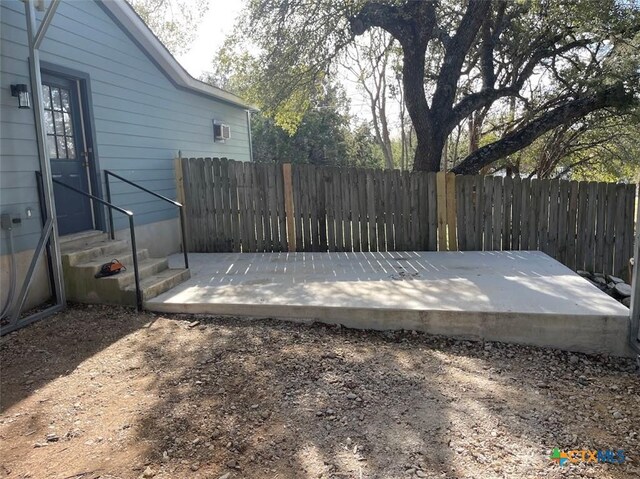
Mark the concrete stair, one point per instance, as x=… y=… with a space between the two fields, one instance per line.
x=82 y=256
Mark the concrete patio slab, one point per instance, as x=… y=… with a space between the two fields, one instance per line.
x=523 y=297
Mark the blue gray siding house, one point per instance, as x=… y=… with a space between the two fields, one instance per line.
x=115 y=99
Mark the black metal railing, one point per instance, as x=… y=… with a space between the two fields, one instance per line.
x=180 y=207
x=129 y=214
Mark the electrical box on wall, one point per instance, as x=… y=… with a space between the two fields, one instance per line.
x=221 y=132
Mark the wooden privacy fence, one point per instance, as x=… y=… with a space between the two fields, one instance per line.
x=260 y=207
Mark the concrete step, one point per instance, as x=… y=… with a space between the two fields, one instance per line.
x=157 y=284
x=92 y=267
x=73 y=255
x=84 y=288
x=82 y=239
x=147 y=267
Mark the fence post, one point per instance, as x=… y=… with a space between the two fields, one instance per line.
x=441 y=201
x=452 y=212
x=288 y=206
x=179 y=179
x=180 y=195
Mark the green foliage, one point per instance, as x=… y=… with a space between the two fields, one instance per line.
x=323 y=136
x=174 y=22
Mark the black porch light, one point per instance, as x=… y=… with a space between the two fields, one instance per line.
x=20 y=90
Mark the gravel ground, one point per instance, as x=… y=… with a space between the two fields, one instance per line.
x=104 y=392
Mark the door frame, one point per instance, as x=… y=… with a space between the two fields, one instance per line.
x=84 y=82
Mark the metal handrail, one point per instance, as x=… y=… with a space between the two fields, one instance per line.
x=134 y=248
x=108 y=173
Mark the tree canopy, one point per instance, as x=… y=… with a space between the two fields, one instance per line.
x=174 y=22
x=531 y=66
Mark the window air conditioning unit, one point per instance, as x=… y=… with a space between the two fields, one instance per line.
x=221 y=132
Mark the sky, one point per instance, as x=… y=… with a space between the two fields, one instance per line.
x=215 y=26
x=218 y=22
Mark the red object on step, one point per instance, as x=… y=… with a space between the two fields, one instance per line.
x=111 y=268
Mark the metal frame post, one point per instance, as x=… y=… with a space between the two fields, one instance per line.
x=35 y=37
x=136 y=271
x=107 y=189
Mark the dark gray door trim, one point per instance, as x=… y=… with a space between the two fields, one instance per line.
x=86 y=104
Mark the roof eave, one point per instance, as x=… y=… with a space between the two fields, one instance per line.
x=130 y=20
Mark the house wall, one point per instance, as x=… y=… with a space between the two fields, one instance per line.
x=140 y=118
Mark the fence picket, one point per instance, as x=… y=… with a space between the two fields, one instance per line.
x=232 y=206
x=497 y=213
x=600 y=226
x=516 y=213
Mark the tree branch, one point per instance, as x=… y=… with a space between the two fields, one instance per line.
x=456 y=51
x=524 y=136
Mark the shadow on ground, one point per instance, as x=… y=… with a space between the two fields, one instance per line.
x=132 y=394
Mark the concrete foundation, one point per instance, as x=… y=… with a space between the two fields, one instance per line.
x=40 y=289
x=520 y=297
x=161 y=238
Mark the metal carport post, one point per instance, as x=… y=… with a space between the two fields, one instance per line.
x=50 y=230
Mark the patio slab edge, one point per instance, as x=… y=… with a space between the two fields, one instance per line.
x=591 y=334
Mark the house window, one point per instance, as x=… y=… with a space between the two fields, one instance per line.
x=57 y=112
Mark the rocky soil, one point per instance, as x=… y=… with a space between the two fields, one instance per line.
x=101 y=392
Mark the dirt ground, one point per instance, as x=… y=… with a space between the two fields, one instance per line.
x=101 y=392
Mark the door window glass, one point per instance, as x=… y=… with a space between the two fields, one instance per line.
x=58 y=121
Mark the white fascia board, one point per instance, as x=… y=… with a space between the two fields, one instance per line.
x=130 y=20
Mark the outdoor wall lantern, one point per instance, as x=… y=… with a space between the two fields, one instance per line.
x=20 y=90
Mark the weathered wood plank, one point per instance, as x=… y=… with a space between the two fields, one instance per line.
x=362 y=205
x=572 y=224
x=581 y=226
x=212 y=167
x=331 y=210
x=314 y=208
x=242 y=207
x=525 y=208
x=441 y=188
x=478 y=211
x=233 y=205
x=610 y=229
x=507 y=201
x=619 y=260
x=371 y=210
x=534 y=208
x=383 y=223
x=197 y=177
x=563 y=214
x=303 y=211
x=469 y=223
x=516 y=213
x=589 y=250
x=601 y=211
x=225 y=205
x=322 y=209
x=630 y=221
x=432 y=200
x=452 y=230
x=281 y=214
x=487 y=200
x=340 y=205
x=543 y=216
x=461 y=224
x=554 y=204
x=498 y=204
x=289 y=206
